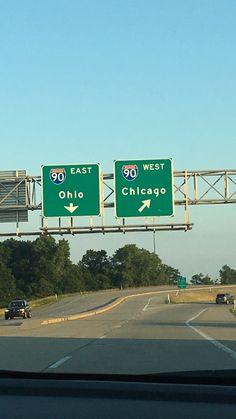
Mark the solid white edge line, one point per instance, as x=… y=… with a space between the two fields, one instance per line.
x=214 y=342
x=60 y=362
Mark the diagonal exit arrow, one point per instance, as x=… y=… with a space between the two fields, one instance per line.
x=146 y=204
x=71 y=207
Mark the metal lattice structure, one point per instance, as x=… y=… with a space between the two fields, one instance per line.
x=205 y=187
x=13 y=200
x=20 y=194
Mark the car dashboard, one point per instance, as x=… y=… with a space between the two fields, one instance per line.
x=61 y=396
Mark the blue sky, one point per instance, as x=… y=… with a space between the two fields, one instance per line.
x=94 y=81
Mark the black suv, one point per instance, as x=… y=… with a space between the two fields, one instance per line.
x=18 y=308
x=224 y=299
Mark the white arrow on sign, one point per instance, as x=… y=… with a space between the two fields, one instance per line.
x=71 y=207
x=146 y=204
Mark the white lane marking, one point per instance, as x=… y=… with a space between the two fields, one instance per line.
x=60 y=362
x=118 y=326
x=195 y=317
x=214 y=342
x=146 y=306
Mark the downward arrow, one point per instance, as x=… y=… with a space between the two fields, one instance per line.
x=146 y=204
x=71 y=207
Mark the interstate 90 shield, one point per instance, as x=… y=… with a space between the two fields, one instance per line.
x=129 y=171
x=57 y=175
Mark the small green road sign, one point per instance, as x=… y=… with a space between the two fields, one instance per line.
x=143 y=188
x=71 y=190
x=182 y=282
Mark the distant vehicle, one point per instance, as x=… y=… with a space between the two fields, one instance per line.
x=224 y=299
x=18 y=308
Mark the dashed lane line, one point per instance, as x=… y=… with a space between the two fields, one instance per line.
x=60 y=362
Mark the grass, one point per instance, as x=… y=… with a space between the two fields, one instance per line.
x=208 y=295
x=46 y=300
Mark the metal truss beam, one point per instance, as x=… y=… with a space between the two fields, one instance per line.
x=190 y=188
x=61 y=231
x=200 y=187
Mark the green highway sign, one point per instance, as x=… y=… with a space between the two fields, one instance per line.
x=71 y=190
x=182 y=282
x=143 y=188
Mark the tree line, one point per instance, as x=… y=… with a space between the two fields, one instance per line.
x=43 y=267
x=39 y=268
x=227 y=276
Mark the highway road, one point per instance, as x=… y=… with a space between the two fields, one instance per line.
x=141 y=335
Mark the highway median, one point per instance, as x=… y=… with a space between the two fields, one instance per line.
x=86 y=314
x=103 y=309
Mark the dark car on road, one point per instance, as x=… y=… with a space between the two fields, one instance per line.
x=224 y=299
x=18 y=308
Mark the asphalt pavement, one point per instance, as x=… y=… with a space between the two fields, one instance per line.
x=141 y=335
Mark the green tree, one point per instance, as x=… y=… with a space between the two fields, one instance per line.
x=135 y=267
x=73 y=279
x=170 y=275
x=19 y=261
x=98 y=268
x=200 y=279
x=51 y=262
x=227 y=275
x=8 y=288
x=96 y=261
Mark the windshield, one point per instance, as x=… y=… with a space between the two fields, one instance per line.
x=117 y=186
x=17 y=304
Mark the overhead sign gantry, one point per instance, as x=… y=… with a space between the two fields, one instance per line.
x=21 y=193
